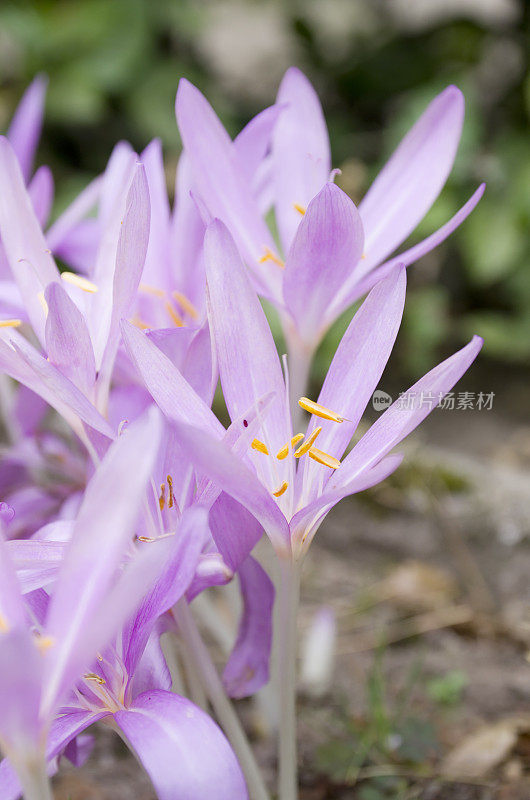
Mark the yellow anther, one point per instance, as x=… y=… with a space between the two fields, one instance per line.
x=162 y=498
x=99 y=657
x=260 y=446
x=318 y=410
x=185 y=304
x=147 y=539
x=324 y=458
x=146 y=288
x=4 y=625
x=281 y=490
x=306 y=446
x=270 y=256
x=10 y=323
x=301 y=209
x=81 y=282
x=91 y=676
x=44 y=643
x=179 y=322
x=171 y=499
x=363 y=255
x=283 y=452
x=42 y=301
x=140 y=323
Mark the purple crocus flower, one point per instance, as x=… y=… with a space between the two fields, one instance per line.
x=297 y=174
x=128 y=683
x=288 y=481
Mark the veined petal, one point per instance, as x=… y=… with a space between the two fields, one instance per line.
x=23 y=363
x=412 y=179
x=67 y=339
x=28 y=255
x=12 y=613
x=172 y=583
x=67 y=224
x=234 y=530
x=248 y=360
x=40 y=191
x=156 y=262
x=328 y=243
x=26 y=125
x=405 y=414
x=212 y=458
x=252 y=143
x=247 y=669
x=130 y=258
x=20 y=688
x=305 y=522
x=172 y=393
x=355 y=288
x=300 y=152
x=181 y=748
x=221 y=185
x=356 y=369
x=102 y=531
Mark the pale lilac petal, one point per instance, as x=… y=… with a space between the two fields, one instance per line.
x=41 y=190
x=355 y=288
x=305 y=522
x=328 y=243
x=355 y=371
x=221 y=185
x=152 y=671
x=247 y=669
x=10 y=788
x=191 y=353
x=130 y=258
x=20 y=688
x=412 y=179
x=252 y=143
x=72 y=233
x=300 y=151
x=67 y=339
x=78 y=247
x=248 y=360
x=26 y=249
x=214 y=459
x=26 y=125
x=157 y=258
x=405 y=414
x=23 y=363
x=103 y=528
x=12 y=611
x=189 y=539
x=183 y=751
x=186 y=238
x=172 y=393
x=234 y=530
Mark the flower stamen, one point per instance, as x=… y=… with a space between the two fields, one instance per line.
x=177 y=319
x=260 y=446
x=281 y=490
x=270 y=256
x=185 y=304
x=319 y=410
x=324 y=458
x=306 y=446
x=80 y=281
x=301 y=209
x=10 y=323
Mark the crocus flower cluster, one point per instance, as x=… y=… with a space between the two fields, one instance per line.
x=123 y=495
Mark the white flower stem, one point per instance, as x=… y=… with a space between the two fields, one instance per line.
x=222 y=706
x=34 y=781
x=288 y=606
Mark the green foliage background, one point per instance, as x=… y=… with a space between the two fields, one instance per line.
x=113 y=67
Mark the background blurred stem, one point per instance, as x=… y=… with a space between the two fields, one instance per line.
x=35 y=782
